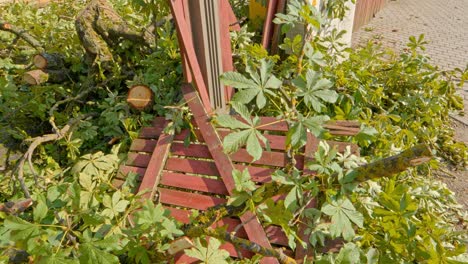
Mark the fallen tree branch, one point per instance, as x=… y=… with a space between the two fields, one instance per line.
x=5 y=26
x=35 y=142
x=395 y=164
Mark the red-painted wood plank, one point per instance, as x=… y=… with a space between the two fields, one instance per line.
x=193 y=183
x=193 y=150
x=155 y=166
x=143 y=145
x=192 y=166
x=225 y=10
x=268 y=24
x=150 y=132
x=138 y=160
x=269 y=158
x=187 y=199
x=225 y=167
x=187 y=48
x=276 y=235
x=180 y=215
x=258 y=174
x=159 y=121
x=124 y=170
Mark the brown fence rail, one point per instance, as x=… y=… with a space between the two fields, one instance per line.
x=365 y=10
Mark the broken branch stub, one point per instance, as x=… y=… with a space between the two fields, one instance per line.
x=48 y=61
x=36 y=77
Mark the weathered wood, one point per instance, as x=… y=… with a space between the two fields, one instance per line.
x=224 y=165
x=124 y=170
x=155 y=166
x=179 y=245
x=140 y=97
x=275 y=39
x=36 y=77
x=48 y=61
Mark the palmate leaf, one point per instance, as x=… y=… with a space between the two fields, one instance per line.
x=210 y=254
x=315 y=90
x=21 y=230
x=297 y=133
x=342 y=213
x=248 y=136
x=89 y=254
x=254 y=87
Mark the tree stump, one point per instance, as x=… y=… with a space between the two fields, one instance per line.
x=140 y=97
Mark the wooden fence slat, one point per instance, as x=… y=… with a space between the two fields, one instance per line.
x=143 y=145
x=138 y=160
x=188 y=199
x=193 y=183
x=192 y=166
x=155 y=166
x=124 y=170
x=150 y=132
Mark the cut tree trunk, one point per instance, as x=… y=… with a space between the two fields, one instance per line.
x=140 y=97
x=48 y=61
x=36 y=77
x=100 y=28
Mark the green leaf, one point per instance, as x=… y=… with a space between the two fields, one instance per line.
x=237 y=80
x=315 y=90
x=256 y=87
x=243 y=181
x=342 y=212
x=253 y=146
x=21 y=230
x=208 y=254
x=41 y=209
x=89 y=254
x=235 y=140
x=230 y=122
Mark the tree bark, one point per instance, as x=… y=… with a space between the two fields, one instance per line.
x=395 y=164
x=48 y=61
x=99 y=28
x=5 y=26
